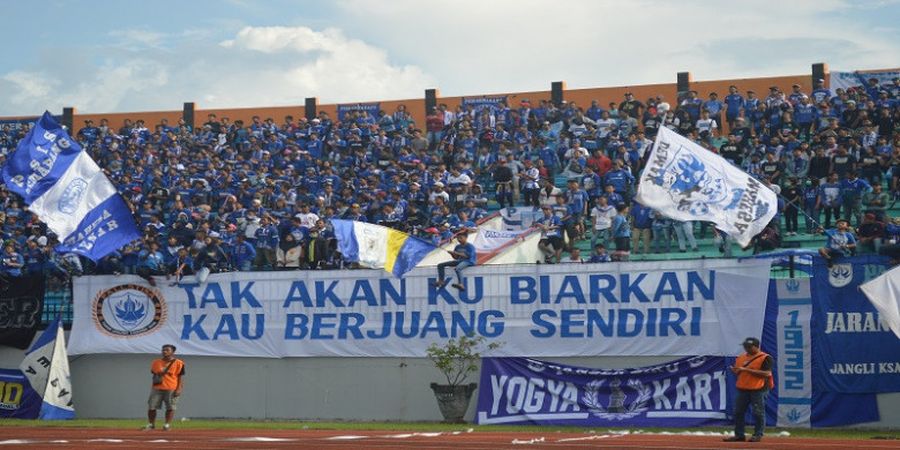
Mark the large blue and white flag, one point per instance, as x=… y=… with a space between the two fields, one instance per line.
x=46 y=366
x=68 y=191
x=685 y=181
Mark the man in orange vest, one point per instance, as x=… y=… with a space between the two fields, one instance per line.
x=754 y=379
x=168 y=381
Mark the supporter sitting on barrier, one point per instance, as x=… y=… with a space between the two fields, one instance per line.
x=463 y=256
x=841 y=242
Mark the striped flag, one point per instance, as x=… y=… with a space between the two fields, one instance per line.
x=380 y=247
x=67 y=190
x=46 y=366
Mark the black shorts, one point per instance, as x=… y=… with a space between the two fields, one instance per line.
x=623 y=244
x=554 y=241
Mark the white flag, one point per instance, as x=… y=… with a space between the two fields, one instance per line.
x=884 y=293
x=489 y=240
x=46 y=365
x=685 y=181
x=524 y=251
x=520 y=218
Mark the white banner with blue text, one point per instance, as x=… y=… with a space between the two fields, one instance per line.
x=665 y=308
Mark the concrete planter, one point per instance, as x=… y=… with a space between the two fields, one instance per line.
x=453 y=400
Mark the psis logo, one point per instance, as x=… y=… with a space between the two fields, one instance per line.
x=619 y=407
x=694 y=187
x=840 y=275
x=129 y=310
x=792 y=285
x=71 y=196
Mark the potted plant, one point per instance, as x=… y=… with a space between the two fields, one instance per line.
x=456 y=359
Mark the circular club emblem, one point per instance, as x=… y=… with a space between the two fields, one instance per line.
x=129 y=310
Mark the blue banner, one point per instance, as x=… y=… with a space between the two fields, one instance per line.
x=370 y=108
x=688 y=392
x=798 y=400
x=16 y=124
x=17 y=399
x=854 y=351
x=479 y=103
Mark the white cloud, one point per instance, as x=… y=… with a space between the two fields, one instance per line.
x=256 y=66
x=396 y=49
x=326 y=64
x=28 y=85
x=135 y=39
x=501 y=45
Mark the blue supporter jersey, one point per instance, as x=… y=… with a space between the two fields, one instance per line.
x=554 y=222
x=733 y=103
x=852 y=190
x=604 y=258
x=838 y=240
x=593 y=184
x=243 y=252
x=620 y=180
x=643 y=216
x=151 y=260
x=810 y=195
x=620 y=227
x=821 y=95
x=830 y=194
x=693 y=108
x=713 y=106
x=578 y=199
x=805 y=114
x=614 y=199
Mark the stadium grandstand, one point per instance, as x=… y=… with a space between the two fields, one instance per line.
x=256 y=189
x=252 y=257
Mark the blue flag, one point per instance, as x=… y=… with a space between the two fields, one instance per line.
x=68 y=191
x=854 y=349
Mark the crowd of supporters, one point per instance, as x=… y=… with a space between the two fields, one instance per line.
x=228 y=195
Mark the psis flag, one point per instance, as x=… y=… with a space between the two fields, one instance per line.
x=68 y=191
x=684 y=181
x=46 y=366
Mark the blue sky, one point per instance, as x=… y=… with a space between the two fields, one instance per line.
x=106 y=56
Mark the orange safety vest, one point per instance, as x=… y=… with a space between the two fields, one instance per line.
x=750 y=382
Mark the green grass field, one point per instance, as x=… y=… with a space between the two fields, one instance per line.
x=231 y=424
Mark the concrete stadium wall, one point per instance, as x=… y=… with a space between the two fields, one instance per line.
x=360 y=389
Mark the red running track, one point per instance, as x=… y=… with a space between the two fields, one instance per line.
x=102 y=438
